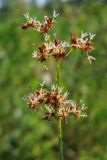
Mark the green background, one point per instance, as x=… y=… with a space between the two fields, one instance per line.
x=24 y=135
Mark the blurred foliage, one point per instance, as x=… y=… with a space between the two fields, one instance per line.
x=24 y=134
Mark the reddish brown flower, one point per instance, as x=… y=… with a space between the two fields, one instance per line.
x=33 y=102
x=76 y=110
x=63 y=113
x=44 y=52
x=55 y=99
x=37 y=98
x=44 y=28
x=84 y=43
x=88 y=47
x=30 y=22
x=59 y=50
x=75 y=42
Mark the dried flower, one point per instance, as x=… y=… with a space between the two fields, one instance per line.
x=59 y=50
x=36 y=24
x=84 y=43
x=44 y=51
x=77 y=111
x=57 y=101
x=44 y=28
x=30 y=22
x=63 y=113
x=36 y=98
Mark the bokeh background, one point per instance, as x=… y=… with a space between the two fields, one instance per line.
x=24 y=135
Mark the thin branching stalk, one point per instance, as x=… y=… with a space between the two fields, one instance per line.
x=59 y=120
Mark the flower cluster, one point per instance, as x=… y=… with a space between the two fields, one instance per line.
x=57 y=49
x=44 y=51
x=56 y=102
x=84 y=43
x=36 y=24
x=53 y=98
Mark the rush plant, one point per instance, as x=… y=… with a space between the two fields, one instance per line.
x=54 y=103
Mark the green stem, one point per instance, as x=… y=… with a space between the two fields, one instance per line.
x=60 y=138
x=58 y=73
x=59 y=120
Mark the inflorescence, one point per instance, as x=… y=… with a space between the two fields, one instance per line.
x=57 y=48
x=55 y=101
